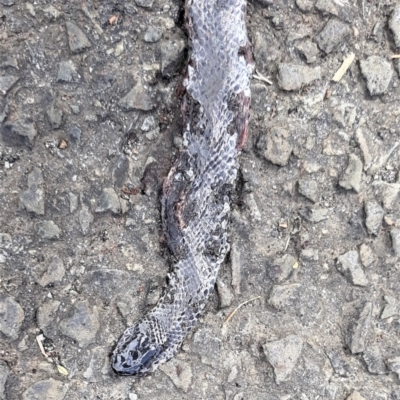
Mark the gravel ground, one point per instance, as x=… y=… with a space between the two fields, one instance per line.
x=90 y=125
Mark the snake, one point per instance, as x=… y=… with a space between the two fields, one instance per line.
x=197 y=193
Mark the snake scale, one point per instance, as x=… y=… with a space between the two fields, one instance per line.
x=196 y=199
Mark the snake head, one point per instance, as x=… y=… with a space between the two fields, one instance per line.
x=137 y=352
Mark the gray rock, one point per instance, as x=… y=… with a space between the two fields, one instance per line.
x=55 y=272
x=47 y=230
x=4 y=373
x=137 y=99
x=355 y=396
x=77 y=40
x=8 y=61
x=67 y=72
x=281 y=268
x=19 y=132
x=48 y=389
x=349 y=265
x=394 y=25
x=327 y=7
x=360 y=330
x=395 y=235
x=314 y=214
x=11 y=317
x=7 y=2
x=308 y=50
x=392 y=307
x=274 y=146
x=305 y=5
x=85 y=219
x=309 y=189
x=351 y=178
x=283 y=296
x=378 y=73
x=75 y=134
x=387 y=193
x=236 y=268
x=208 y=346
x=7 y=82
x=294 y=77
x=144 y=3
x=83 y=325
x=45 y=317
x=55 y=117
x=283 y=355
x=333 y=35
x=180 y=373
x=51 y=13
x=394 y=365
x=172 y=52
x=374 y=217
x=152 y=34
x=338 y=363
x=367 y=256
x=309 y=254
x=73 y=202
x=374 y=361
x=109 y=201
x=225 y=294
x=33 y=197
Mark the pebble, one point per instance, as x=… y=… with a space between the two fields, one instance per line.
x=33 y=197
x=85 y=219
x=355 y=396
x=51 y=13
x=283 y=355
x=339 y=365
x=360 y=330
x=45 y=317
x=294 y=77
x=305 y=5
x=4 y=373
x=55 y=117
x=309 y=189
x=83 y=325
x=281 y=268
x=73 y=202
x=394 y=365
x=387 y=193
x=172 y=52
x=378 y=73
x=144 y=3
x=225 y=294
x=180 y=373
x=152 y=34
x=309 y=254
x=282 y=296
x=327 y=7
x=7 y=2
x=236 y=268
x=109 y=201
x=333 y=35
x=7 y=82
x=274 y=146
x=391 y=308
x=349 y=265
x=11 y=317
x=77 y=40
x=351 y=178
x=47 y=230
x=309 y=50
x=395 y=235
x=67 y=72
x=20 y=132
x=75 y=134
x=48 y=389
x=367 y=256
x=374 y=361
x=314 y=215
x=54 y=274
x=394 y=25
x=374 y=217
x=137 y=99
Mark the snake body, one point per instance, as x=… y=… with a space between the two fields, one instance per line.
x=197 y=191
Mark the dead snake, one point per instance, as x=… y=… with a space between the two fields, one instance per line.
x=197 y=191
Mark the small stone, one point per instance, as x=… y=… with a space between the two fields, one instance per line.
x=67 y=72
x=283 y=296
x=378 y=73
x=7 y=2
x=55 y=272
x=326 y=7
x=33 y=197
x=394 y=365
x=77 y=40
x=360 y=329
x=4 y=373
x=152 y=34
x=392 y=307
x=394 y=25
x=55 y=117
x=309 y=189
x=274 y=146
x=144 y=3
x=340 y=367
x=75 y=134
x=137 y=99
x=314 y=215
x=11 y=317
x=374 y=361
x=7 y=82
x=19 y=132
x=305 y=5
x=308 y=50
x=48 y=230
x=225 y=294
x=109 y=201
x=309 y=254
x=172 y=52
x=179 y=372
x=333 y=35
x=281 y=268
x=148 y=123
x=85 y=219
x=51 y=13
x=294 y=77
x=236 y=268
x=351 y=178
x=387 y=193
x=283 y=355
x=48 y=389
x=374 y=217
x=83 y=325
x=349 y=265
x=395 y=235
x=355 y=396
x=45 y=317
x=367 y=256
x=73 y=202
